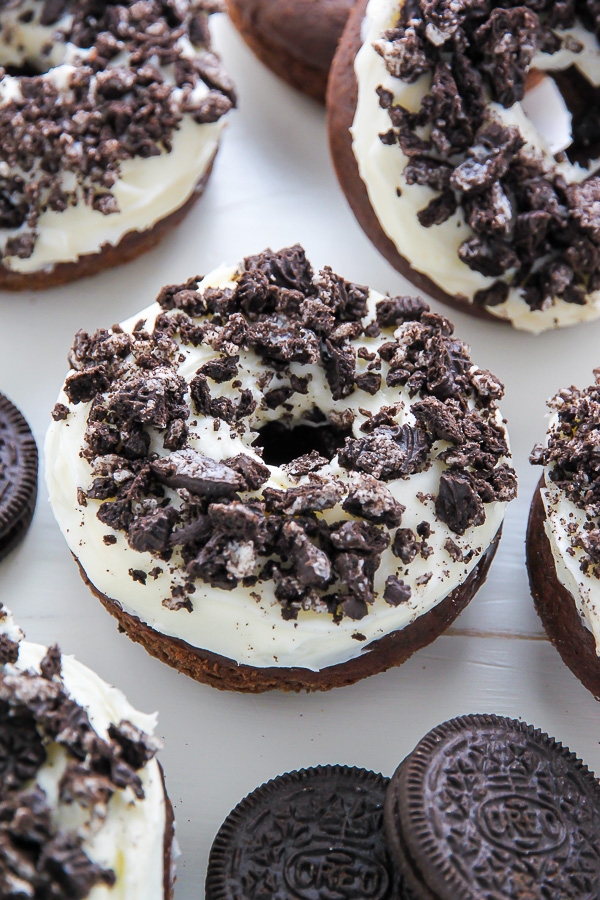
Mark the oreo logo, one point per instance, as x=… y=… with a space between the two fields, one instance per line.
x=335 y=874
x=521 y=825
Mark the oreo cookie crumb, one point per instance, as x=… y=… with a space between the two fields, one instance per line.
x=396 y=591
x=60 y=412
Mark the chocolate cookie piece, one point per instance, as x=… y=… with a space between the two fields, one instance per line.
x=149 y=75
x=555 y=605
x=296 y=39
x=18 y=476
x=492 y=807
x=315 y=834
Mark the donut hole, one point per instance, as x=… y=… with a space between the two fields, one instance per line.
x=27 y=69
x=583 y=102
x=282 y=442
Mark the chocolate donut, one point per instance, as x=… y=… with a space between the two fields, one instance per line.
x=111 y=116
x=463 y=134
x=85 y=812
x=276 y=478
x=563 y=537
x=296 y=39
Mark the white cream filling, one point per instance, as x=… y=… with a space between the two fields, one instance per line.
x=563 y=517
x=232 y=623
x=130 y=839
x=147 y=189
x=434 y=251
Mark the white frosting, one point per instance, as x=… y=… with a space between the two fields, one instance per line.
x=434 y=251
x=562 y=517
x=147 y=189
x=232 y=623
x=130 y=839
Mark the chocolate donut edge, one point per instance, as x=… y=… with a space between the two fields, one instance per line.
x=555 y=605
x=225 y=674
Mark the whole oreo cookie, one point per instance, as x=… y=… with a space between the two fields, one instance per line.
x=491 y=807
x=18 y=476
x=563 y=532
x=315 y=834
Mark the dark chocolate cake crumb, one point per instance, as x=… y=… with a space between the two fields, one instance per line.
x=531 y=231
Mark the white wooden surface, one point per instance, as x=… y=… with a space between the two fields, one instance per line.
x=273 y=185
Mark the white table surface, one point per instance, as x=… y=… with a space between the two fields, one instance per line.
x=274 y=185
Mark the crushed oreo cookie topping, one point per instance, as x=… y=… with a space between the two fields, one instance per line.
x=571 y=460
x=40 y=724
x=310 y=504
x=108 y=83
x=533 y=223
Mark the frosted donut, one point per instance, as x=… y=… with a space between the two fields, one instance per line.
x=85 y=813
x=563 y=535
x=111 y=116
x=465 y=136
x=276 y=478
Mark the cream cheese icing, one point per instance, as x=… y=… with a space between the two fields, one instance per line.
x=245 y=624
x=130 y=838
x=434 y=251
x=147 y=189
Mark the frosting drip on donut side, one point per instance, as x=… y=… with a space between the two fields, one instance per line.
x=303 y=562
x=83 y=777
x=513 y=237
x=571 y=497
x=114 y=134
